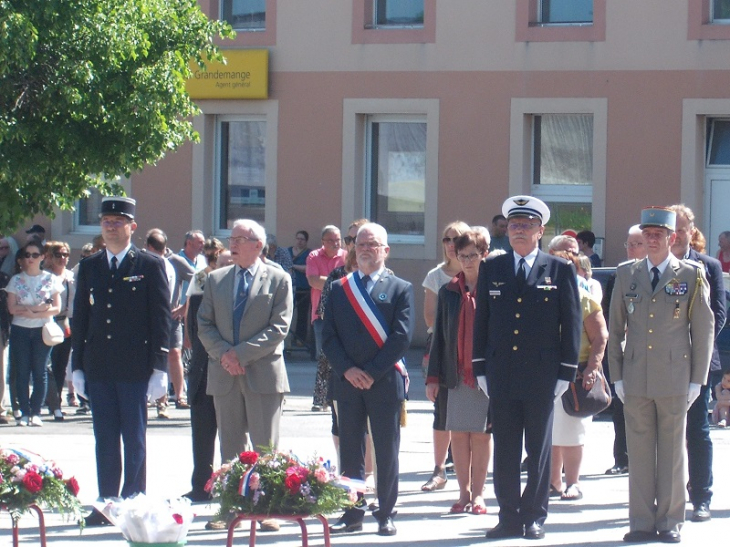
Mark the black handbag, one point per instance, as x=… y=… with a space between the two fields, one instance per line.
x=581 y=402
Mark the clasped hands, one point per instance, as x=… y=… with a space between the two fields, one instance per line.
x=230 y=363
x=693 y=391
x=359 y=378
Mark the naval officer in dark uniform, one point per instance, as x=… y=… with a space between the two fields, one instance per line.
x=526 y=340
x=120 y=338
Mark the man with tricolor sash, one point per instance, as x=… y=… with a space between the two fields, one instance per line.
x=368 y=324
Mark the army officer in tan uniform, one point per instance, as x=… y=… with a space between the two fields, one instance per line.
x=660 y=308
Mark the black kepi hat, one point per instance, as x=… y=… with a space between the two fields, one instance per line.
x=118 y=205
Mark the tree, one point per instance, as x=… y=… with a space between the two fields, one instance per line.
x=90 y=90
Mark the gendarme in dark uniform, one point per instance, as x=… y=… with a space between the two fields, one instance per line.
x=526 y=340
x=120 y=338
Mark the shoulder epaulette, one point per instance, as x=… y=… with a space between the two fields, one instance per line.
x=627 y=263
x=695 y=263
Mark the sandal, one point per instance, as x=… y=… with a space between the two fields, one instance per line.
x=437 y=481
x=555 y=493
x=478 y=509
x=572 y=493
x=458 y=508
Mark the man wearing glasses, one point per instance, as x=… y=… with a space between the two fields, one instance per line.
x=526 y=340
x=120 y=345
x=242 y=323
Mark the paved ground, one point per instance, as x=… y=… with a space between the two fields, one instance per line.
x=599 y=519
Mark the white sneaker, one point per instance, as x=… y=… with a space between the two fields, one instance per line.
x=17 y=414
x=21 y=421
x=36 y=421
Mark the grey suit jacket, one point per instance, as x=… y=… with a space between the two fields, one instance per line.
x=665 y=350
x=265 y=324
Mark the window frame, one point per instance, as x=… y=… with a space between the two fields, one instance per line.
x=365 y=32
x=221 y=9
x=710 y=140
x=700 y=25
x=521 y=167
x=375 y=8
x=244 y=37
x=356 y=113
x=540 y=14
x=529 y=29
x=713 y=19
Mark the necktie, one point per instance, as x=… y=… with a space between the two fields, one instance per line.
x=240 y=303
x=365 y=280
x=114 y=266
x=521 y=273
x=655 y=279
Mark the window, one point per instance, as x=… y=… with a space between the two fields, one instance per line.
x=718 y=142
x=86 y=215
x=244 y=14
x=565 y=12
x=241 y=171
x=396 y=176
x=398 y=13
x=720 y=13
x=563 y=169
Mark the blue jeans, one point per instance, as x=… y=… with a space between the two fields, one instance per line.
x=29 y=355
x=699 y=449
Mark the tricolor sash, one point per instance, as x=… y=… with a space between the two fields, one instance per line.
x=371 y=317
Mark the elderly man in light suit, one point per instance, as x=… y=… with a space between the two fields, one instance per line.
x=660 y=307
x=242 y=323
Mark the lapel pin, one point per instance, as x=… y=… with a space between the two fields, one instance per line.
x=382 y=297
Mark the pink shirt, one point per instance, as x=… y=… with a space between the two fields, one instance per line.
x=318 y=263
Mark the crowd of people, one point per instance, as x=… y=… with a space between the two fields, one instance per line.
x=510 y=329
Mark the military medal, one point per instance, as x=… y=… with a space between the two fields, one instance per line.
x=91 y=299
x=630 y=307
x=548 y=281
x=676 y=310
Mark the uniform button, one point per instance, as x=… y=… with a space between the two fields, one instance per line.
x=517 y=332
x=108 y=320
x=519 y=300
x=653 y=299
x=517 y=315
x=111 y=290
x=651 y=347
x=651 y=315
x=546 y=299
x=108 y=336
x=651 y=331
x=134 y=288
x=108 y=305
x=514 y=348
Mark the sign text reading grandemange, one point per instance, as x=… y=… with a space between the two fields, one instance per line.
x=244 y=76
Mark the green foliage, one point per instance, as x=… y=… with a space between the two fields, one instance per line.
x=90 y=90
x=275 y=483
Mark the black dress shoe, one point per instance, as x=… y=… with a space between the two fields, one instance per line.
x=502 y=531
x=95 y=518
x=344 y=526
x=386 y=527
x=701 y=512
x=534 y=531
x=639 y=536
x=669 y=536
x=617 y=470
x=197 y=496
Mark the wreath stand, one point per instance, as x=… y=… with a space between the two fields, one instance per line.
x=41 y=526
x=254 y=518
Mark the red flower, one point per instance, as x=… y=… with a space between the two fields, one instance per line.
x=293 y=483
x=178 y=518
x=72 y=485
x=33 y=482
x=300 y=471
x=248 y=458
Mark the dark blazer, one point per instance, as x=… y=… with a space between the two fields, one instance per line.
x=122 y=323
x=524 y=341
x=346 y=342
x=443 y=355
x=713 y=272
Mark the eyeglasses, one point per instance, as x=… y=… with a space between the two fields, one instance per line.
x=448 y=240
x=467 y=258
x=32 y=255
x=239 y=240
x=61 y=255
x=349 y=240
x=108 y=223
x=372 y=245
x=524 y=226
x=338 y=240
x=633 y=245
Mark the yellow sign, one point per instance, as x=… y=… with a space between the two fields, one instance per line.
x=244 y=76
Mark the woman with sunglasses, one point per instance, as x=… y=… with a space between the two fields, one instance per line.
x=56 y=262
x=435 y=279
x=34 y=297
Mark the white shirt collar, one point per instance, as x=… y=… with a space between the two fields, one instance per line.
x=120 y=256
x=529 y=260
x=661 y=266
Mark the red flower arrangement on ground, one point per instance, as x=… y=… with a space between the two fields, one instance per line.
x=27 y=479
x=275 y=483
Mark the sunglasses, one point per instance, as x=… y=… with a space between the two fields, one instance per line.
x=32 y=255
x=448 y=240
x=349 y=240
x=61 y=255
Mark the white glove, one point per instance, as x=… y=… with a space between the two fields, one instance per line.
x=618 y=387
x=482 y=383
x=692 y=393
x=561 y=386
x=157 y=386
x=78 y=379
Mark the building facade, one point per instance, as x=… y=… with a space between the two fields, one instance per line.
x=415 y=113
